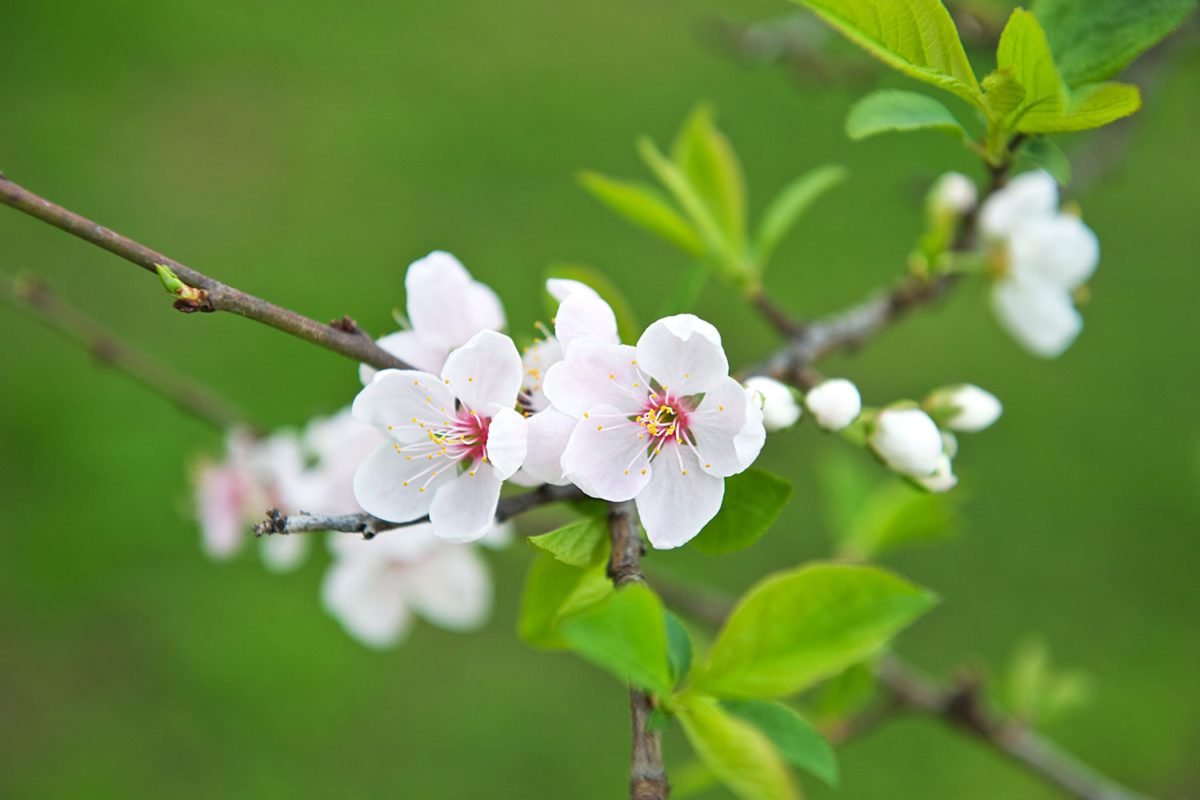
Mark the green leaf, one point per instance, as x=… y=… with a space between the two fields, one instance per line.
x=847 y=693
x=552 y=591
x=753 y=501
x=579 y=544
x=845 y=487
x=789 y=206
x=798 y=742
x=1093 y=40
x=896 y=515
x=794 y=628
x=737 y=753
x=1042 y=152
x=1002 y=93
x=624 y=633
x=1091 y=106
x=711 y=166
x=627 y=322
x=916 y=37
x=890 y=110
x=645 y=207
x=679 y=649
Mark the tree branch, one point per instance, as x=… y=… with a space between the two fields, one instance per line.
x=37 y=299
x=211 y=295
x=647 y=775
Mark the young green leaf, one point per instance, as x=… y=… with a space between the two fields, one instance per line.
x=891 y=110
x=753 y=501
x=679 y=648
x=846 y=693
x=552 y=591
x=789 y=206
x=579 y=544
x=893 y=516
x=1093 y=40
x=1043 y=153
x=737 y=753
x=916 y=37
x=794 y=628
x=1091 y=106
x=626 y=634
x=798 y=742
x=645 y=207
x=708 y=161
x=627 y=322
x=1002 y=93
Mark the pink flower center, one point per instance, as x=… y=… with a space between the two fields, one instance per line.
x=460 y=441
x=665 y=418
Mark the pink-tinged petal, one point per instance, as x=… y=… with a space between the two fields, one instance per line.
x=606 y=455
x=367 y=598
x=683 y=353
x=484 y=371
x=397 y=488
x=412 y=350
x=451 y=589
x=680 y=500
x=506 y=443
x=283 y=553
x=549 y=432
x=1040 y=317
x=464 y=508
x=596 y=373
x=582 y=314
x=219 y=500
x=715 y=427
x=446 y=306
x=397 y=397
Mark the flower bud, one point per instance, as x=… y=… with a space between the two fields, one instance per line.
x=965 y=408
x=908 y=441
x=954 y=193
x=834 y=404
x=778 y=404
x=943 y=478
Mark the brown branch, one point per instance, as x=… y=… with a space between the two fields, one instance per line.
x=209 y=294
x=647 y=775
x=369 y=526
x=37 y=299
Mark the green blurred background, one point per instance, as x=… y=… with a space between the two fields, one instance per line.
x=307 y=152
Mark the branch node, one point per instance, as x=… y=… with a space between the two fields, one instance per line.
x=346 y=324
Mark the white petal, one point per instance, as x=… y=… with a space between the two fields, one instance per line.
x=1060 y=250
x=499 y=536
x=412 y=350
x=446 y=306
x=943 y=478
x=908 y=440
x=970 y=408
x=484 y=371
x=219 y=509
x=549 y=432
x=583 y=315
x=464 y=508
x=834 y=403
x=595 y=373
x=1033 y=195
x=506 y=442
x=606 y=455
x=715 y=426
x=683 y=353
x=562 y=288
x=778 y=404
x=680 y=500
x=396 y=397
x=536 y=361
x=452 y=589
x=954 y=193
x=368 y=600
x=1041 y=318
x=284 y=553
x=392 y=487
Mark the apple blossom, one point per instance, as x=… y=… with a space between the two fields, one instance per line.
x=446 y=307
x=779 y=407
x=965 y=408
x=455 y=439
x=834 y=403
x=661 y=423
x=908 y=441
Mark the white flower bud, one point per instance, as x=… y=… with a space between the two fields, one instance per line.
x=834 y=404
x=778 y=404
x=965 y=408
x=1033 y=195
x=908 y=441
x=954 y=193
x=949 y=444
x=943 y=478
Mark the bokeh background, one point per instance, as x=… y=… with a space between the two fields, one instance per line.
x=307 y=152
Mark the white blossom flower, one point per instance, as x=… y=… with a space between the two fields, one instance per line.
x=662 y=423
x=834 y=403
x=446 y=307
x=779 y=407
x=374 y=587
x=908 y=441
x=943 y=478
x=965 y=408
x=1031 y=196
x=455 y=439
x=954 y=193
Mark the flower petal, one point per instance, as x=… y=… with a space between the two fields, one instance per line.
x=1033 y=195
x=716 y=424
x=219 y=494
x=484 y=371
x=464 y=509
x=596 y=373
x=506 y=441
x=683 y=353
x=1060 y=250
x=410 y=348
x=549 y=432
x=397 y=397
x=582 y=314
x=606 y=455
x=396 y=488
x=452 y=589
x=1040 y=317
x=283 y=553
x=535 y=362
x=446 y=306
x=680 y=499
x=368 y=600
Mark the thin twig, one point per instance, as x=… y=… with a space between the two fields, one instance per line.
x=647 y=775
x=210 y=294
x=37 y=299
